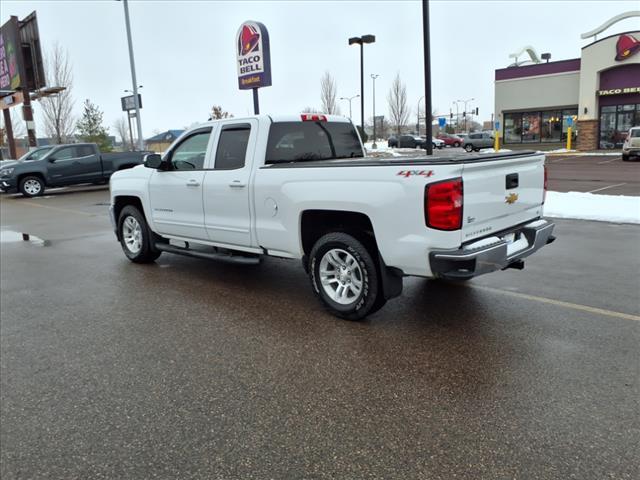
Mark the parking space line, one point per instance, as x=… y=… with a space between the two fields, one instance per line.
x=608 y=161
x=66 y=210
x=560 y=303
x=604 y=188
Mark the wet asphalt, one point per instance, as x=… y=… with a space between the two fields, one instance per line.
x=195 y=369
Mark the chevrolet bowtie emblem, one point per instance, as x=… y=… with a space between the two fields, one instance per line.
x=511 y=198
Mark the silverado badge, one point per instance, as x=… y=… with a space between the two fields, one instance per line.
x=511 y=198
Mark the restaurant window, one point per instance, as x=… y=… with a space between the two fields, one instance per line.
x=512 y=128
x=531 y=127
x=551 y=126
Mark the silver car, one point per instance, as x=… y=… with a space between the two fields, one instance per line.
x=477 y=140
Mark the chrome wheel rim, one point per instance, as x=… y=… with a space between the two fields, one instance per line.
x=341 y=276
x=132 y=234
x=32 y=187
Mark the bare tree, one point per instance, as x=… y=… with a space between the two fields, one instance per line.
x=328 y=94
x=59 y=123
x=397 y=100
x=122 y=130
x=17 y=126
x=217 y=113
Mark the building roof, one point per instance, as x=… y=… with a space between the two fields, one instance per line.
x=548 y=68
x=168 y=136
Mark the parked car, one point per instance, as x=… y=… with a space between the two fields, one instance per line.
x=631 y=145
x=477 y=140
x=450 y=140
x=300 y=187
x=406 y=141
x=63 y=165
x=437 y=143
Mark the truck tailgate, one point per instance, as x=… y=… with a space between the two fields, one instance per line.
x=501 y=193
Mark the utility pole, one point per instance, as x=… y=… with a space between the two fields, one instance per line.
x=8 y=131
x=133 y=74
x=427 y=75
x=373 y=77
x=418 y=117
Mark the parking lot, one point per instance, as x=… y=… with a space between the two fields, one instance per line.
x=195 y=369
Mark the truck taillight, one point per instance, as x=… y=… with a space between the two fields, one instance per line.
x=443 y=205
x=313 y=117
x=546 y=185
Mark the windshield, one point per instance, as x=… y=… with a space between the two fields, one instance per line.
x=635 y=133
x=299 y=141
x=36 y=154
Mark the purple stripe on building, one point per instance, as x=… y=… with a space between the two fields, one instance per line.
x=538 y=69
x=622 y=76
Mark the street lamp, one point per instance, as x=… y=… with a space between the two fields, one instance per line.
x=418 y=116
x=134 y=82
x=465 y=110
x=129 y=120
x=373 y=77
x=361 y=41
x=349 y=100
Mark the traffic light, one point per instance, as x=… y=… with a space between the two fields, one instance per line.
x=476 y=111
x=464 y=114
x=451 y=116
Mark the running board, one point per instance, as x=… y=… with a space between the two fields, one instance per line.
x=221 y=257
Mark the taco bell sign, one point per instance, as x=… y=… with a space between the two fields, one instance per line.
x=253 y=56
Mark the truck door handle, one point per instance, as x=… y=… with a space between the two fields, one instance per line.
x=237 y=184
x=511 y=181
x=193 y=183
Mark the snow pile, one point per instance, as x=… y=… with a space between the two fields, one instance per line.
x=493 y=150
x=587 y=206
x=581 y=154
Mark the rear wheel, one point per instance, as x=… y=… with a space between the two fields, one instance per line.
x=468 y=147
x=135 y=236
x=344 y=276
x=625 y=158
x=456 y=144
x=31 y=186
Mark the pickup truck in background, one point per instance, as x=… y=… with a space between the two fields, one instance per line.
x=63 y=165
x=301 y=187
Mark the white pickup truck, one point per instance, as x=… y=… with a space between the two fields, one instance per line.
x=301 y=187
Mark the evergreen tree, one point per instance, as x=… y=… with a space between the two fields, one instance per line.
x=90 y=128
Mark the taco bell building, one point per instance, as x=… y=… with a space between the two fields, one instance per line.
x=600 y=92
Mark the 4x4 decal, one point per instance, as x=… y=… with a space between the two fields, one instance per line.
x=420 y=173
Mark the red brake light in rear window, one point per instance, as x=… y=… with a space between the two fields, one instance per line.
x=443 y=205
x=313 y=117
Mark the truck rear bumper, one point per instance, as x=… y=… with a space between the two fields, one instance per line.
x=492 y=253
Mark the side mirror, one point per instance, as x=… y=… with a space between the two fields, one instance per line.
x=52 y=159
x=153 y=160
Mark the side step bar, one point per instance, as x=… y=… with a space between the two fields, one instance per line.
x=221 y=257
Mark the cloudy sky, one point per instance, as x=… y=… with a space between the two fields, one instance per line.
x=185 y=54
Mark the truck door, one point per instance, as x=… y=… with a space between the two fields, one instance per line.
x=227 y=214
x=87 y=164
x=62 y=168
x=175 y=195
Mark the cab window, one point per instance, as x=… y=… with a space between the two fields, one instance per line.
x=232 y=147
x=191 y=152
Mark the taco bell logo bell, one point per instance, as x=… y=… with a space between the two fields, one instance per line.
x=253 y=56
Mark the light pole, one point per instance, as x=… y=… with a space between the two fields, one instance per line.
x=457 y=115
x=125 y=3
x=349 y=100
x=129 y=120
x=418 y=116
x=361 y=41
x=373 y=77
x=426 y=42
x=465 y=110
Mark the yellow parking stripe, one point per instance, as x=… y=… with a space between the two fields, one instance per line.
x=66 y=210
x=560 y=303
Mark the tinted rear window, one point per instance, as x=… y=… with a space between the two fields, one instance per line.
x=299 y=141
x=635 y=132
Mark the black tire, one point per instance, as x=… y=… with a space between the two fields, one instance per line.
x=369 y=299
x=625 y=158
x=440 y=147
x=31 y=186
x=456 y=144
x=468 y=148
x=146 y=253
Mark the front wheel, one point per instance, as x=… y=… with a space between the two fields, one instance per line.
x=135 y=236
x=344 y=276
x=456 y=144
x=468 y=148
x=31 y=186
x=625 y=158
